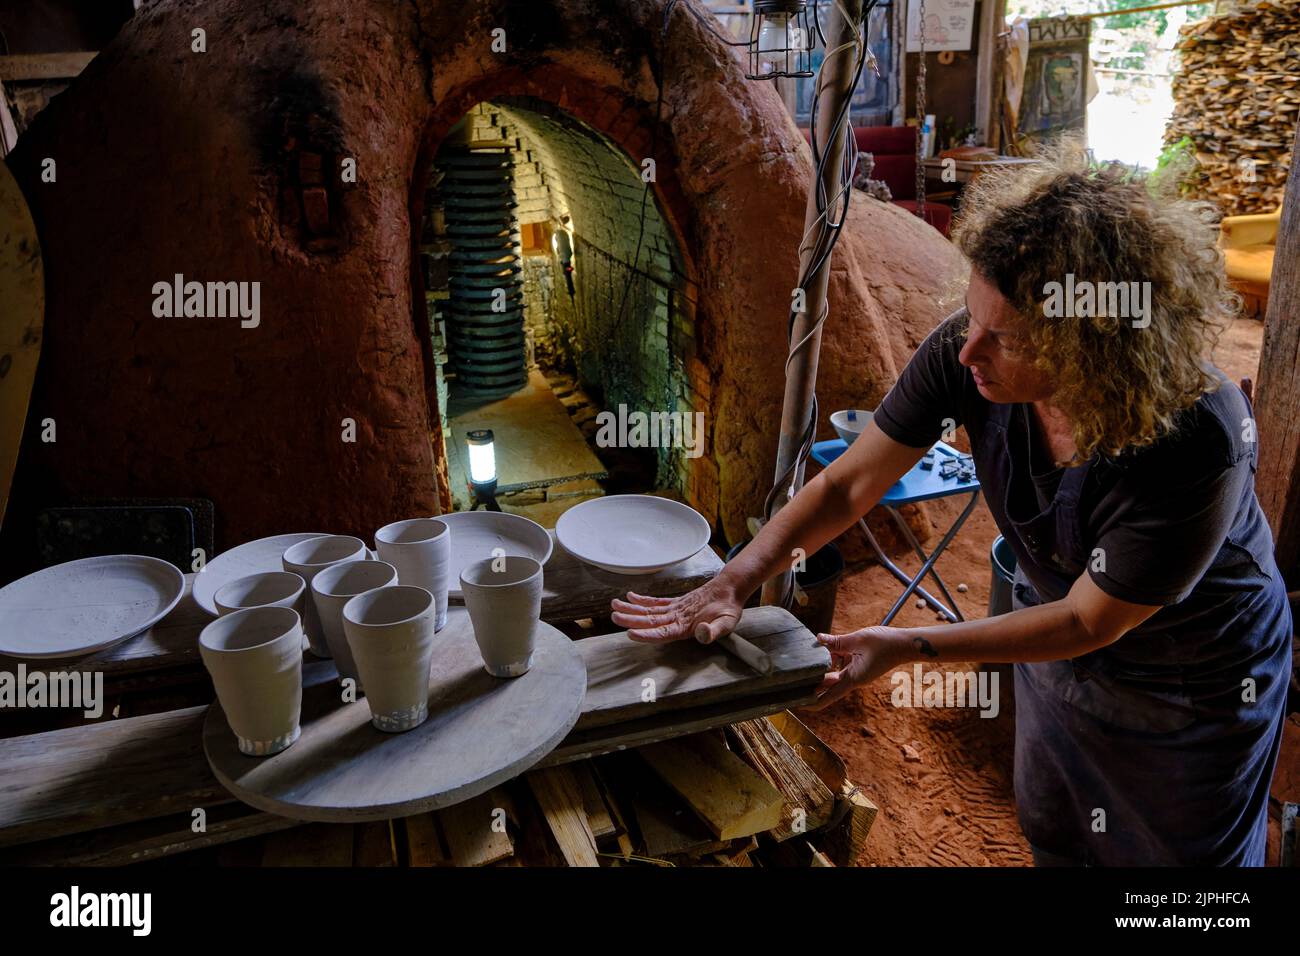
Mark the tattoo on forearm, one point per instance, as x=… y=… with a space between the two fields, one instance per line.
x=924 y=647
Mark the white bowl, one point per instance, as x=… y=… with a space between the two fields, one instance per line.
x=476 y=535
x=850 y=428
x=632 y=534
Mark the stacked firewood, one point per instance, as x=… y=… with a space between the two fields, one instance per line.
x=1237 y=97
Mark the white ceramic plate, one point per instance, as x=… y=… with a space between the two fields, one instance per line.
x=474 y=535
x=251 y=557
x=80 y=607
x=632 y=534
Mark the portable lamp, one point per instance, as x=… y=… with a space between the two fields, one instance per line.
x=483 y=466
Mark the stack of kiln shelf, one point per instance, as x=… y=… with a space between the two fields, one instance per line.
x=485 y=324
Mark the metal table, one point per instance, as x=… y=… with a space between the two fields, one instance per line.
x=919 y=484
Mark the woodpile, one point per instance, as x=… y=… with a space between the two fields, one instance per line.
x=762 y=792
x=1237 y=97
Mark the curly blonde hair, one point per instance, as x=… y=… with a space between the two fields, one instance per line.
x=1023 y=228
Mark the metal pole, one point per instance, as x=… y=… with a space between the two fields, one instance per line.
x=835 y=81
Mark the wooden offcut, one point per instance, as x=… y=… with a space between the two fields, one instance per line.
x=730 y=797
x=560 y=799
x=475 y=830
x=808 y=802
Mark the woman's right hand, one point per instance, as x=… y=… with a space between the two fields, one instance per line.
x=709 y=612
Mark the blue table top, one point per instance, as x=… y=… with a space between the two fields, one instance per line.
x=919 y=484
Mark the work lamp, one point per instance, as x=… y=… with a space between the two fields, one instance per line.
x=483 y=466
x=781 y=39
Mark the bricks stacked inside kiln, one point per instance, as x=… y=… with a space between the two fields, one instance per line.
x=485 y=325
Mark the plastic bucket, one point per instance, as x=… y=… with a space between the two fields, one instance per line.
x=1002 y=560
x=819 y=581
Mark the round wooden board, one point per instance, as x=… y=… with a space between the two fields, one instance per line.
x=481 y=731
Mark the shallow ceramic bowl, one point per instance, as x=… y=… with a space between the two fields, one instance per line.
x=850 y=422
x=632 y=534
x=475 y=535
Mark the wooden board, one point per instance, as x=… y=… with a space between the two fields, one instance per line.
x=726 y=793
x=22 y=319
x=44 y=66
x=69 y=781
x=481 y=731
x=686 y=673
x=472 y=833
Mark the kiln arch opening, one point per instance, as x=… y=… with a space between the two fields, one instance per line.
x=560 y=308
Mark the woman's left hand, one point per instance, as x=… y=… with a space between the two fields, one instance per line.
x=859 y=657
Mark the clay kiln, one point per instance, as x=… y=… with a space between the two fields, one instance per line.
x=225 y=166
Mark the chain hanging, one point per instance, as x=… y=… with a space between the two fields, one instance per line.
x=920 y=116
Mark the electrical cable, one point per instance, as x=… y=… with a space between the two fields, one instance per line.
x=828 y=227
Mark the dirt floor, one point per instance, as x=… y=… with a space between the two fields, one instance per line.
x=942 y=777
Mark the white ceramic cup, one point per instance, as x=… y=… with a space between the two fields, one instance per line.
x=420 y=549
x=307 y=559
x=504 y=597
x=331 y=589
x=391 y=634
x=255 y=659
x=267 y=589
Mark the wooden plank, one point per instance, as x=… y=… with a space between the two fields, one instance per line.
x=593 y=802
x=147 y=839
x=726 y=793
x=666 y=826
x=44 y=66
x=628 y=680
x=475 y=831
x=808 y=802
x=580 y=745
x=316 y=844
x=106 y=774
x=423 y=844
x=1277 y=405
x=374 y=844
x=560 y=799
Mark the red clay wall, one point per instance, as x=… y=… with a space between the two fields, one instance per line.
x=171 y=161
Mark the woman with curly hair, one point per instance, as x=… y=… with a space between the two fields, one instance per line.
x=1150 y=631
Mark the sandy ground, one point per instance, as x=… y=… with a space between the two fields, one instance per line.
x=942 y=777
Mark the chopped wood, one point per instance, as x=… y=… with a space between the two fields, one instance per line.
x=1236 y=97
x=560 y=799
x=593 y=802
x=476 y=830
x=44 y=66
x=423 y=842
x=738 y=854
x=730 y=797
x=809 y=803
x=843 y=843
x=373 y=844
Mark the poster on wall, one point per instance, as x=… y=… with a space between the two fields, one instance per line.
x=948 y=25
x=1056 y=90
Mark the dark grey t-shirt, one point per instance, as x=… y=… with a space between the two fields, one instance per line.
x=1162 y=515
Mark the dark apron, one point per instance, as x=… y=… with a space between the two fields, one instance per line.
x=1142 y=753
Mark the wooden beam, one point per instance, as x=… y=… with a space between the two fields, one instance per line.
x=1277 y=406
x=726 y=793
x=473 y=835
x=44 y=66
